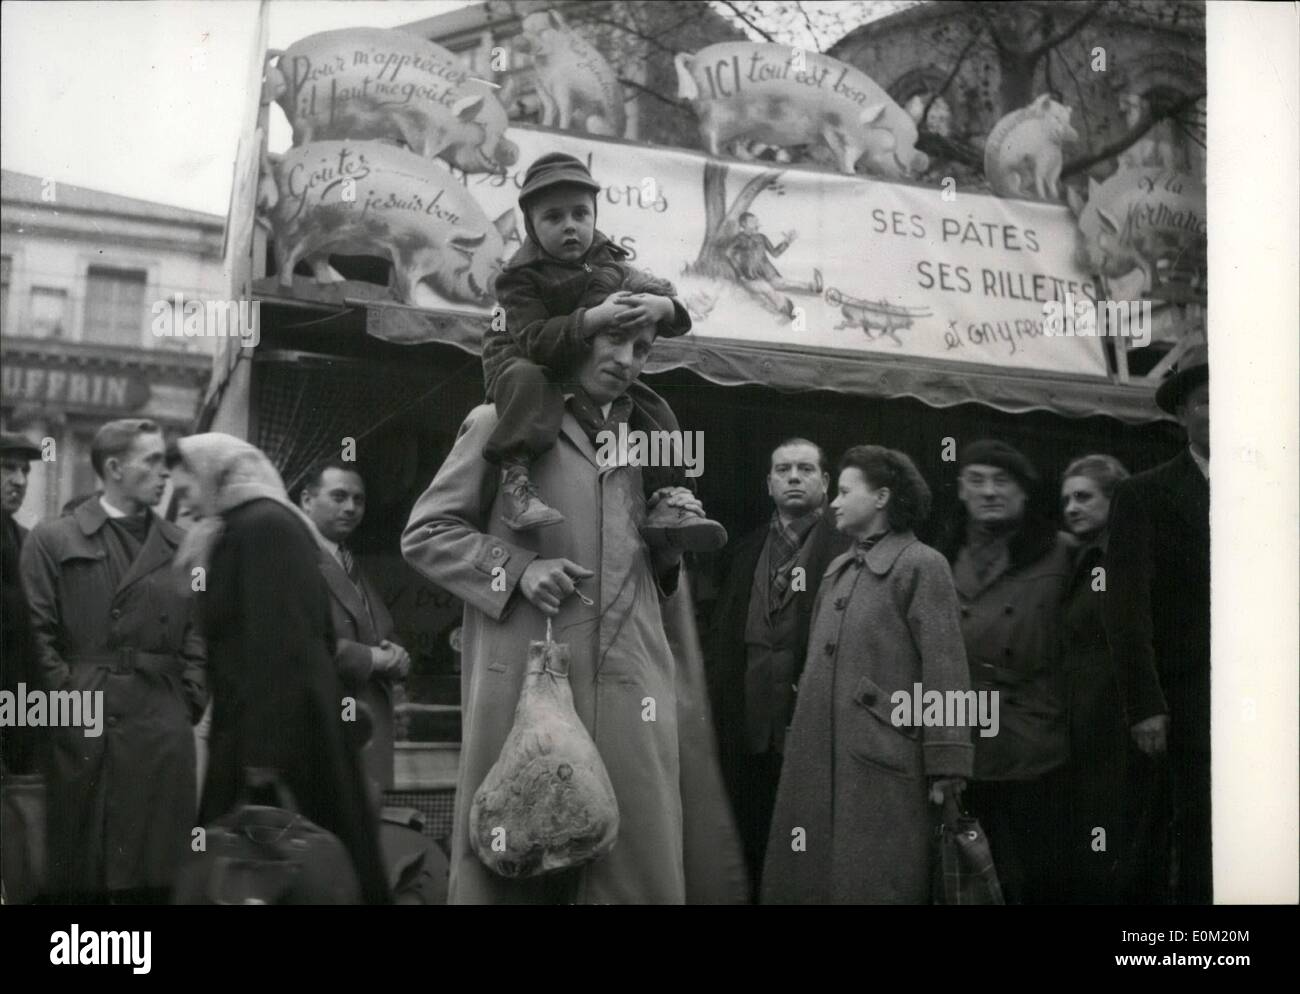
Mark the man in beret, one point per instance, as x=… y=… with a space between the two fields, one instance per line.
x=1157 y=615
x=1011 y=566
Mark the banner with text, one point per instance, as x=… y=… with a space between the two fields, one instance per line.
x=796 y=257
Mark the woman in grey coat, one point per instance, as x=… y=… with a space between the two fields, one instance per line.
x=852 y=823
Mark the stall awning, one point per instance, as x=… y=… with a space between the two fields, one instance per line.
x=786 y=368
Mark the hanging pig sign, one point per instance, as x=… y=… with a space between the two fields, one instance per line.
x=372 y=198
x=783 y=97
x=1150 y=219
x=371 y=83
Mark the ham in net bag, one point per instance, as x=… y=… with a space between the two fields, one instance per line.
x=547 y=803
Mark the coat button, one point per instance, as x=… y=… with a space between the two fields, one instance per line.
x=498 y=552
x=841 y=603
x=112 y=720
x=115 y=613
x=1008 y=609
x=830 y=648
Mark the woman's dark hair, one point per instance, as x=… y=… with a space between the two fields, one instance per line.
x=1103 y=470
x=909 y=495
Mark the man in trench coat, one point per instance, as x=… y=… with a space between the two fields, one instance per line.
x=110 y=616
x=635 y=669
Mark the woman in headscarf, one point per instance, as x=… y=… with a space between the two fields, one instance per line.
x=852 y=823
x=276 y=698
x=1099 y=735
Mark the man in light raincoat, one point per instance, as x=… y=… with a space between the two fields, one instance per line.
x=636 y=670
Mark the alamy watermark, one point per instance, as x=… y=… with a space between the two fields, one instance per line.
x=946 y=709
x=634 y=447
x=1082 y=318
x=23 y=708
x=181 y=318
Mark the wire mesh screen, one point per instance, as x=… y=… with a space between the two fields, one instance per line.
x=304 y=411
x=437 y=807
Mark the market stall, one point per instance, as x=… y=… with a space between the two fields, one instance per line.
x=843 y=306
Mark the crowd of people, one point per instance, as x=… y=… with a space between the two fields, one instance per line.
x=765 y=762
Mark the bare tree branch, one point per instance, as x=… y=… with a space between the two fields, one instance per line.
x=1068 y=32
x=961 y=57
x=811 y=30
x=1145 y=124
x=744 y=18
x=649 y=92
x=938 y=147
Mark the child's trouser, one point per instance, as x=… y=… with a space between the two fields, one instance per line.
x=530 y=409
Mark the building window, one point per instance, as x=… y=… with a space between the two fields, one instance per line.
x=6 y=268
x=115 y=311
x=49 y=312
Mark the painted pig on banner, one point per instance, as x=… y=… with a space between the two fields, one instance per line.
x=371 y=198
x=782 y=96
x=372 y=83
x=1150 y=219
x=1022 y=157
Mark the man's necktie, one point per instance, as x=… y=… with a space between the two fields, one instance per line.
x=349 y=564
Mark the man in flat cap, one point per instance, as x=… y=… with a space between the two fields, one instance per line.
x=1157 y=614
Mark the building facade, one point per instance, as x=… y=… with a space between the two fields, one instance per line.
x=88 y=279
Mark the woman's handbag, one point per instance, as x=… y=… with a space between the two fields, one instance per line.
x=963 y=864
x=259 y=854
x=22 y=836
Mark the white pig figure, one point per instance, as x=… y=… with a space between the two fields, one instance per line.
x=578 y=89
x=752 y=92
x=374 y=83
x=373 y=198
x=1022 y=157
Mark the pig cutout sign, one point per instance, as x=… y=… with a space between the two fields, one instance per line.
x=1022 y=157
x=1152 y=220
x=372 y=198
x=370 y=83
x=578 y=89
x=783 y=97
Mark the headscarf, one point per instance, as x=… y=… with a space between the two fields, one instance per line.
x=229 y=472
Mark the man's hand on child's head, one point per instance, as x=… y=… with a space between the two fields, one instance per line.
x=636 y=308
x=605 y=313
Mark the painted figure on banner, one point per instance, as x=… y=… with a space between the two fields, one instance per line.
x=748 y=254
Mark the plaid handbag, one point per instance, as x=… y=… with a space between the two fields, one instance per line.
x=963 y=863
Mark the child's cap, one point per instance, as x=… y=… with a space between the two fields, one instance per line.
x=555 y=169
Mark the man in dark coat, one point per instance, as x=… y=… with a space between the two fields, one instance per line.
x=112 y=619
x=334 y=498
x=760 y=635
x=1157 y=617
x=17 y=745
